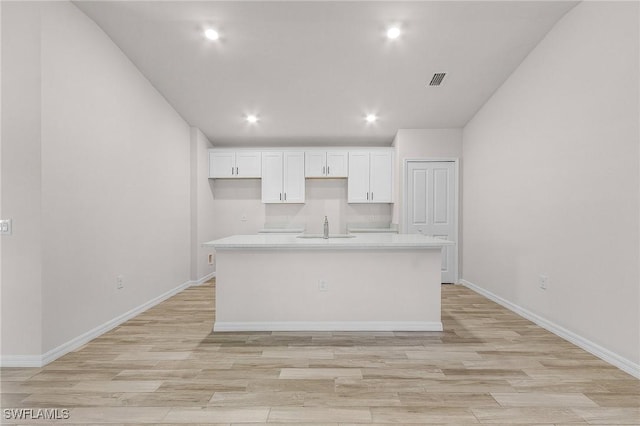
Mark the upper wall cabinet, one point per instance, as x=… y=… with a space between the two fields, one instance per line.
x=225 y=163
x=283 y=177
x=370 y=176
x=319 y=164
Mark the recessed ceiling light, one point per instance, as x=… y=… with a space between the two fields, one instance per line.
x=371 y=118
x=252 y=119
x=393 y=33
x=211 y=34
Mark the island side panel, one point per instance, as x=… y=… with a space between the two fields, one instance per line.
x=386 y=289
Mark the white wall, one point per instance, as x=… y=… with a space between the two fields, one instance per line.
x=21 y=290
x=204 y=220
x=551 y=181
x=114 y=181
x=421 y=143
x=0 y=172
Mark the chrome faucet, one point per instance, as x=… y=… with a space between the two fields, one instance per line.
x=326 y=228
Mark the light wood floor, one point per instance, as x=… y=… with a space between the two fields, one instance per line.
x=488 y=366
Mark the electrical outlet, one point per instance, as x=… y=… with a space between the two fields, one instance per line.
x=323 y=286
x=243 y=218
x=210 y=258
x=120 y=282
x=543 y=281
x=5 y=227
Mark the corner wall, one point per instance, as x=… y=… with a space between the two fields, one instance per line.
x=551 y=183
x=203 y=206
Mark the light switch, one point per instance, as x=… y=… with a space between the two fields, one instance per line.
x=5 y=227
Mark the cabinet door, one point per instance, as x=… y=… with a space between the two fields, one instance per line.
x=337 y=164
x=222 y=164
x=293 y=177
x=358 y=182
x=248 y=164
x=272 y=177
x=314 y=164
x=381 y=177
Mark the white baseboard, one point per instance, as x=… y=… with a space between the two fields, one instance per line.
x=21 y=361
x=329 y=326
x=612 y=358
x=76 y=342
x=204 y=279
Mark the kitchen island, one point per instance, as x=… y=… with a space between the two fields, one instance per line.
x=364 y=282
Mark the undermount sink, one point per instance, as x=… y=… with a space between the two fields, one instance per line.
x=320 y=236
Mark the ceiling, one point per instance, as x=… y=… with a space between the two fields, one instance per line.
x=312 y=70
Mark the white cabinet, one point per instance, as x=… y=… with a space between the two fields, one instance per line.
x=370 y=176
x=337 y=164
x=315 y=163
x=326 y=164
x=381 y=176
x=358 y=182
x=234 y=164
x=283 y=177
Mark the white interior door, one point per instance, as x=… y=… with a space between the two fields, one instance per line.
x=431 y=207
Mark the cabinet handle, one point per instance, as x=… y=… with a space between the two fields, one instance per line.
x=371 y=195
x=323 y=169
x=236 y=171
x=281 y=196
x=367 y=195
x=328 y=170
x=285 y=196
x=231 y=170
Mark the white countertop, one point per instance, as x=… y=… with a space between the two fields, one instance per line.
x=358 y=241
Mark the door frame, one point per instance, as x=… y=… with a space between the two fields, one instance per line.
x=456 y=207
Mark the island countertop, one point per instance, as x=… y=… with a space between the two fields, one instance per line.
x=341 y=242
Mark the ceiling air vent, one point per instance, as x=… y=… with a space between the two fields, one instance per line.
x=437 y=78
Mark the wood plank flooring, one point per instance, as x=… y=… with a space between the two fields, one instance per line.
x=489 y=366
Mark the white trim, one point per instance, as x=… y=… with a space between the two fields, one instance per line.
x=612 y=358
x=76 y=342
x=204 y=279
x=329 y=326
x=21 y=361
x=456 y=212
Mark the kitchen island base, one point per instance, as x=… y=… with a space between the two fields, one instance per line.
x=328 y=289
